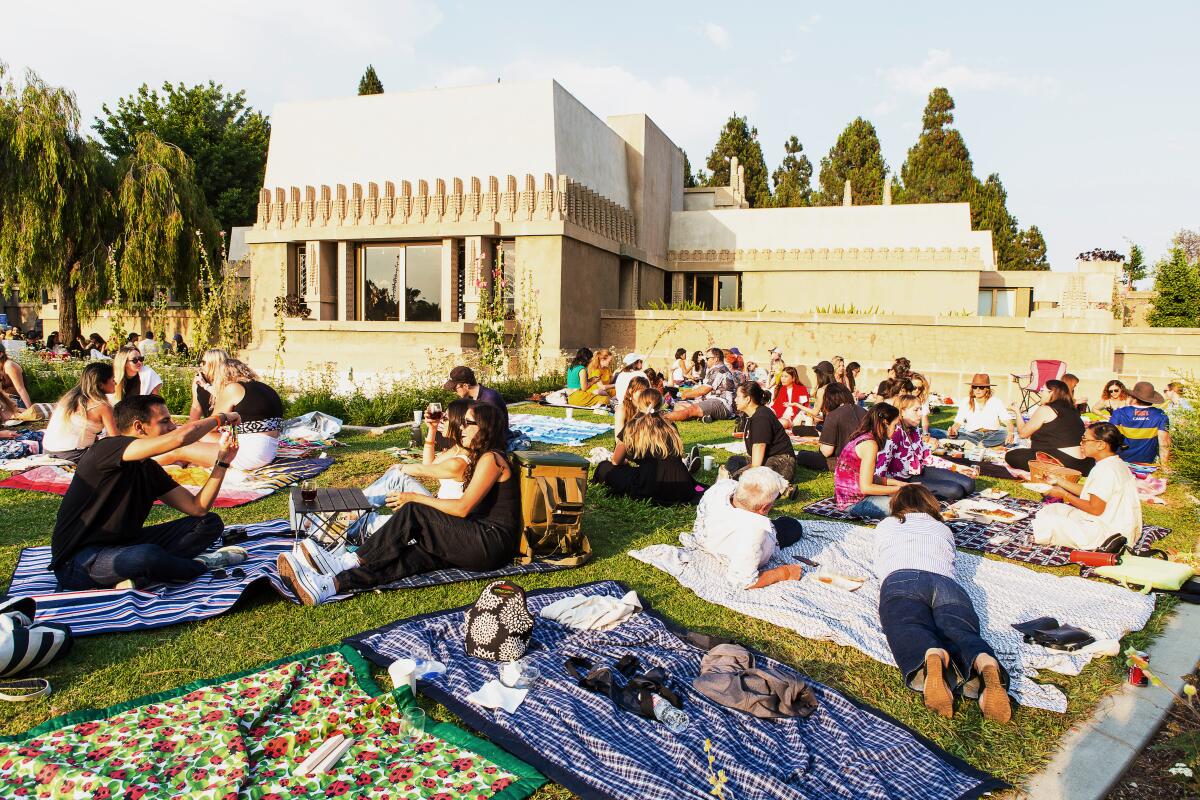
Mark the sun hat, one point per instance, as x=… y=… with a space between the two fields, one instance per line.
x=633 y=358
x=981 y=379
x=1144 y=391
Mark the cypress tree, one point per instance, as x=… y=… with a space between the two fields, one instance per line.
x=793 y=177
x=1176 y=303
x=1033 y=249
x=938 y=168
x=739 y=139
x=857 y=157
x=370 y=83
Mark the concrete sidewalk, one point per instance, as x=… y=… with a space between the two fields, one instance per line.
x=1093 y=756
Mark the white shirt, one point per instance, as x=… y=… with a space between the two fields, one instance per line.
x=1112 y=482
x=148 y=381
x=919 y=542
x=149 y=346
x=745 y=541
x=991 y=417
x=621 y=384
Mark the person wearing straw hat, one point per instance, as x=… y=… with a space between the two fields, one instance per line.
x=1145 y=427
x=983 y=419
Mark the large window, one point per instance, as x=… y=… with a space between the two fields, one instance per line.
x=401 y=278
x=714 y=292
x=997 y=302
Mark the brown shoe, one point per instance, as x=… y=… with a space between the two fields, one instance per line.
x=993 y=701
x=938 y=697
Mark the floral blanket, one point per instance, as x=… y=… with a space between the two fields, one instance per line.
x=246 y=735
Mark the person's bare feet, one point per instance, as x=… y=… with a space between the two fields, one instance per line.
x=938 y=697
x=993 y=700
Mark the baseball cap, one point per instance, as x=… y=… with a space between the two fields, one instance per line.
x=459 y=375
x=735 y=351
x=633 y=358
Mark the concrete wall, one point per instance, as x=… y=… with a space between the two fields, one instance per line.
x=651 y=282
x=589 y=283
x=178 y=321
x=909 y=291
x=587 y=149
x=948 y=350
x=655 y=165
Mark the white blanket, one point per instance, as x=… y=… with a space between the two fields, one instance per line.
x=1002 y=593
x=595 y=612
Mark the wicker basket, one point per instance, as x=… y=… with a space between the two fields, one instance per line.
x=1039 y=470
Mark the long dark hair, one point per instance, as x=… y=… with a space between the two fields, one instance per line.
x=1059 y=392
x=876 y=422
x=582 y=357
x=680 y=353
x=699 y=363
x=851 y=368
x=489 y=437
x=456 y=414
x=758 y=395
x=824 y=372
x=913 y=498
x=836 y=396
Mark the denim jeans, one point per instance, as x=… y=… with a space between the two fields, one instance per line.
x=160 y=553
x=391 y=481
x=875 y=506
x=922 y=610
x=986 y=438
x=946 y=484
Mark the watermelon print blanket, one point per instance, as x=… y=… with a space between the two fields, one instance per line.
x=245 y=736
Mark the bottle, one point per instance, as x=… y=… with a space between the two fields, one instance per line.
x=417 y=442
x=674 y=718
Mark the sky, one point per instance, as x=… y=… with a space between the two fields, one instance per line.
x=1088 y=111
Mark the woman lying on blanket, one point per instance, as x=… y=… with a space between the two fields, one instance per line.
x=652 y=441
x=477 y=532
x=855 y=485
x=224 y=383
x=1104 y=513
x=908 y=456
x=930 y=624
x=1055 y=429
x=81 y=414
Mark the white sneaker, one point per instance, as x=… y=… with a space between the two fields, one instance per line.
x=310 y=586
x=327 y=562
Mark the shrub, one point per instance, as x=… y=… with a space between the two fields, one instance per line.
x=1185 y=446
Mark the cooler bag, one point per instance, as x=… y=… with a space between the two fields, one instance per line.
x=552 y=487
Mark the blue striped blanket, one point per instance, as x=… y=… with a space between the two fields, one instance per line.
x=582 y=741
x=118 y=610
x=557 y=430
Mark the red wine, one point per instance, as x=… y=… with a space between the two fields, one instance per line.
x=435 y=416
x=309 y=496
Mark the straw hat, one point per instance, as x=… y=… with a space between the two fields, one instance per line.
x=981 y=379
x=1144 y=391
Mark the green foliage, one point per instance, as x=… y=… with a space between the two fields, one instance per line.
x=938 y=168
x=676 y=305
x=529 y=337
x=1031 y=250
x=851 y=310
x=989 y=211
x=857 y=157
x=793 y=177
x=1135 y=268
x=739 y=139
x=370 y=83
x=223 y=308
x=489 y=321
x=1185 y=445
x=689 y=178
x=226 y=139
x=1177 y=284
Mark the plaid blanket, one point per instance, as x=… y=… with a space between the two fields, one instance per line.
x=556 y=430
x=238 y=488
x=1019 y=544
x=579 y=739
x=246 y=735
x=156 y=606
x=1001 y=593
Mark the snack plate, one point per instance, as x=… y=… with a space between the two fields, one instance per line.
x=993 y=494
x=1040 y=488
x=984 y=511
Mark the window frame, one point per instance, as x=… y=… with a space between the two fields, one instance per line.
x=360 y=284
x=694 y=279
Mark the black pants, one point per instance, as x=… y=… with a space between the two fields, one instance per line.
x=783 y=463
x=947 y=485
x=812 y=459
x=163 y=552
x=419 y=539
x=1020 y=458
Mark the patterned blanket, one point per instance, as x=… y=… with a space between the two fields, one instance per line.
x=246 y=736
x=1012 y=540
x=556 y=430
x=238 y=488
x=1001 y=593
x=155 y=606
x=582 y=741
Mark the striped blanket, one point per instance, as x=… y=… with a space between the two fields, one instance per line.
x=581 y=740
x=238 y=488
x=557 y=430
x=118 y=610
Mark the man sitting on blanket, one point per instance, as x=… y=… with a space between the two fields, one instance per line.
x=99 y=540
x=732 y=525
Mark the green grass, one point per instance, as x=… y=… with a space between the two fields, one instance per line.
x=103 y=670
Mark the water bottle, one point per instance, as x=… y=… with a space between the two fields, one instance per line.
x=674 y=718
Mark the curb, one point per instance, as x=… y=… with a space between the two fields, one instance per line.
x=1093 y=756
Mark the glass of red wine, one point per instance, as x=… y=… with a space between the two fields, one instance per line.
x=308 y=492
x=435 y=413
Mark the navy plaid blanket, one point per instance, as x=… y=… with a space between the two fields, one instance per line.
x=1019 y=546
x=156 y=606
x=582 y=741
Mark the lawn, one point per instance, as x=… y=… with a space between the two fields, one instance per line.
x=103 y=670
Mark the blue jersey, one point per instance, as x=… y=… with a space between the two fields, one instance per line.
x=1141 y=425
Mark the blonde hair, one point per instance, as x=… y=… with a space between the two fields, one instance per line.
x=987 y=395
x=594 y=366
x=922 y=395
x=636 y=386
x=220 y=369
x=905 y=401
x=652 y=435
x=118 y=365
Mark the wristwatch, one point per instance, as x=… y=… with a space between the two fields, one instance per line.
x=223 y=464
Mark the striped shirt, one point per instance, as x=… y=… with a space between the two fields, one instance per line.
x=919 y=542
x=1141 y=425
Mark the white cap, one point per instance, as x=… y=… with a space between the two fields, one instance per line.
x=633 y=358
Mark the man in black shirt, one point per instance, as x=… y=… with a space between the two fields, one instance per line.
x=99 y=540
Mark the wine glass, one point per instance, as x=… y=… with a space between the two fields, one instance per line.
x=435 y=412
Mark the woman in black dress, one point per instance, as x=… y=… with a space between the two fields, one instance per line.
x=648 y=462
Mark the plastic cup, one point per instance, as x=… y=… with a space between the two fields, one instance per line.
x=403 y=672
x=570 y=413
x=414 y=723
x=708 y=463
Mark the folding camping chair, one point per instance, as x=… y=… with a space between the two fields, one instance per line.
x=1031 y=385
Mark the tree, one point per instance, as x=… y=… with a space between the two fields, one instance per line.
x=689 y=178
x=1190 y=242
x=1177 y=285
x=226 y=139
x=739 y=139
x=370 y=83
x=856 y=157
x=1135 y=268
x=793 y=178
x=989 y=211
x=938 y=168
x=1031 y=250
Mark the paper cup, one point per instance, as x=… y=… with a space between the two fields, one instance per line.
x=708 y=463
x=403 y=672
x=570 y=413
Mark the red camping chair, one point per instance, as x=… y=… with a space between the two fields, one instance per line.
x=1031 y=385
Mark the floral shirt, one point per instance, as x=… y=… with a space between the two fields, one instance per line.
x=904 y=455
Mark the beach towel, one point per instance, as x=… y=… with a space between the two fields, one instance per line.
x=556 y=430
x=1001 y=593
x=159 y=605
x=1009 y=540
x=581 y=740
x=238 y=488
x=246 y=735
x=304 y=448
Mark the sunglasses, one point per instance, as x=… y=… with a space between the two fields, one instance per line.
x=236 y=572
x=1114 y=391
x=980 y=387
x=469 y=422
x=135 y=360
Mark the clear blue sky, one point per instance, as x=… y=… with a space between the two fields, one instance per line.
x=1090 y=112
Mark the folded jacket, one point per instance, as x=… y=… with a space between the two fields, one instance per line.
x=728 y=676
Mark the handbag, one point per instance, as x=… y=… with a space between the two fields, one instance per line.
x=1147 y=573
x=498 y=625
x=1045 y=464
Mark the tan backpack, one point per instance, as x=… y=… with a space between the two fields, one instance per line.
x=552 y=487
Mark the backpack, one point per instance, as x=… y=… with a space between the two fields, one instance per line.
x=27 y=645
x=552 y=487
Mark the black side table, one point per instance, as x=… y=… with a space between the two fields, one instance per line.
x=319 y=520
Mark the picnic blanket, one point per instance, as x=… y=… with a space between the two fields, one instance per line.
x=1001 y=593
x=26 y=443
x=582 y=741
x=155 y=606
x=246 y=735
x=557 y=430
x=1017 y=537
x=238 y=488
x=304 y=448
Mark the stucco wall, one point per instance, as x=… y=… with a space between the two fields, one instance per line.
x=891 y=292
x=586 y=149
x=589 y=283
x=655 y=166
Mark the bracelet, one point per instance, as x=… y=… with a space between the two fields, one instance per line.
x=222 y=464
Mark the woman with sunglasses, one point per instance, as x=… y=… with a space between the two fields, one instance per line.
x=476 y=532
x=1054 y=429
x=1114 y=396
x=983 y=419
x=132 y=375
